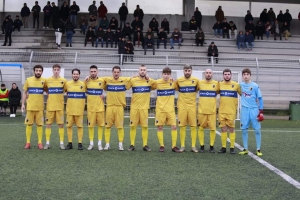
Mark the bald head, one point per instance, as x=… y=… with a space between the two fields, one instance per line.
x=208 y=74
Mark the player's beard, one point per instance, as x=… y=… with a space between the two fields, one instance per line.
x=227 y=80
x=93 y=76
x=208 y=78
x=75 y=78
x=187 y=75
x=142 y=76
x=37 y=75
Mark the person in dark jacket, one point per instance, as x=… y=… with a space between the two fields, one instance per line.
x=109 y=38
x=36 y=9
x=285 y=30
x=138 y=37
x=8 y=27
x=271 y=16
x=248 y=17
x=54 y=14
x=287 y=18
x=162 y=37
x=219 y=14
x=93 y=22
x=198 y=17
x=123 y=12
x=64 y=11
x=225 y=28
x=118 y=36
x=129 y=50
x=250 y=28
x=149 y=32
x=276 y=30
x=17 y=24
x=102 y=10
x=104 y=23
x=93 y=9
x=59 y=28
x=153 y=24
x=264 y=16
x=100 y=36
x=138 y=13
x=25 y=12
x=14 y=99
x=137 y=23
x=249 y=40
x=70 y=30
x=83 y=24
x=149 y=43
x=200 y=37
x=280 y=19
x=113 y=24
x=47 y=14
x=259 y=29
x=165 y=25
x=193 y=24
x=240 y=40
x=90 y=36
x=176 y=37
x=127 y=30
x=121 y=46
x=212 y=51
x=232 y=28
x=217 y=28
x=74 y=9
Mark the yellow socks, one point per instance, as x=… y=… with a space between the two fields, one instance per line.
x=201 y=136
x=182 y=135
x=223 y=139
x=80 y=134
x=121 y=134
x=160 y=136
x=145 y=136
x=174 y=138
x=48 y=133
x=39 y=130
x=107 y=135
x=193 y=135
x=212 y=137
x=232 y=139
x=91 y=133
x=61 y=132
x=28 y=133
x=100 y=131
x=132 y=135
x=70 y=134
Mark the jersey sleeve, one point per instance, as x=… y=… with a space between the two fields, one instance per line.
x=129 y=84
x=239 y=91
x=258 y=93
x=65 y=87
x=25 y=87
x=218 y=87
x=176 y=86
x=154 y=85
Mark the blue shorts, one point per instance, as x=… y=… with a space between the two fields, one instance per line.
x=249 y=115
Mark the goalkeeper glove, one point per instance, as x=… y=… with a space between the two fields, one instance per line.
x=260 y=116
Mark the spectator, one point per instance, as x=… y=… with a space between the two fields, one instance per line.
x=127 y=31
x=149 y=44
x=8 y=27
x=276 y=30
x=102 y=10
x=232 y=28
x=109 y=38
x=153 y=24
x=264 y=16
x=139 y=13
x=200 y=38
x=74 y=9
x=121 y=46
x=280 y=18
x=162 y=37
x=93 y=22
x=250 y=28
x=138 y=36
x=17 y=24
x=93 y=9
x=212 y=52
x=4 y=97
x=271 y=16
x=249 y=40
x=59 y=28
x=123 y=12
x=198 y=17
x=268 y=28
x=137 y=23
x=55 y=14
x=219 y=14
x=176 y=37
x=100 y=35
x=248 y=17
x=69 y=27
x=47 y=15
x=149 y=32
x=36 y=9
x=90 y=36
x=113 y=24
x=285 y=30
x=25 y=12
x=64 y=11
x=260 y=29
x=129 y=50
x=118 y=36
x=193 y=24
x=83 y=24
x=165 y=25
x=225 y=28
x=14 y=99
x=287 y=18
x=240 y=40
x=104 y=23
x=217 y=28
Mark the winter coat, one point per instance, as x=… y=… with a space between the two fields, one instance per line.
x=55 y=12
x=104 y=23
x=84 y=22
x=47 y=10
x=193 y=24
x=249 y=27
x=25 y=12
x=74 y=9
x=264 y=17
x=162 y=34
x=276 y=28
x=8 y=26
x=121 y=45
x=119 y=35
x=18 y=23
x=176 y=35
x=127 y=30
x=249 y=38
x=165 y=25
x=260 y=29
x=14 y=96
x=217 y=26
x=138 y=24
x=90 y=34
x=59 y=26
x=287 y=17
x=232 y=27
x=280 y=17
x=212 y=49
x=64 y=12
x=36 y=9
x=92 y=10
x=113 y=24
x=100 y=34
x=129 y=47
x=285 y=28
x=92 y=22
x=149 y=33
x=248 y=17
x=137 y=34
x=149 y=42
x=69 y=26
x=102 y=11
x=109 y=35
x=240 y=38
x=271 y=16
x=219 y=15
x=198 y=16
x=198 y=35
x=139 y=13
x=123 y=12
x=225 y=25
x=153 y=25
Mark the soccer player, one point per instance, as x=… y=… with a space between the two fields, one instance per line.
x=229 y=91
x=165 y=112
x=55 y=105
x=186 y=104
x=76 y=90
x=251 y=111
x=95 y=106
x=116 y=102
x=140 y=101
x=34 y=89
x=208 y=90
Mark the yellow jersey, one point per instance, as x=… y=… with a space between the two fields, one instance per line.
x=76 y=97
x=187 y=92
x=229 y=97
x=94 y=89
x=116 y=89
x=208 y=91
x=35 y=89
x=141 y=89
x=165 y=95
x=55 y=90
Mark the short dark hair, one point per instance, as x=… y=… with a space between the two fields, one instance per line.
x=226 y=70
x=187 y=66
x=13 y=83
x=93 y=67
x=38 y=67
x=167 y=70
x=2 y=85
x=56 y=66
x=116 y=67
x=246 y=70
x=73 y=70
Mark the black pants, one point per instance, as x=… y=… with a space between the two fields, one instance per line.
x=149 y=47
x=16 y=27
x=7 y=35
x=198 y=24
x=129 y=35
x=54 y=20
x=277 y=34
x=37 y=19
x=209 y=59
x=199 y=41
x=128 y=55
x=163 y=41
x=13 y=108
x=86 y=40
x=46 y=20
x=225 y=32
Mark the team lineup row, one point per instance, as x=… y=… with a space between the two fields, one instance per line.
x=91 y=90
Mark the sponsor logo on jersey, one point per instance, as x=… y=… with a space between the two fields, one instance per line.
x=228 y=93
x=213 y=86
x=116 y=88
x=141 y=89
x=42 y=83
x=246 y=95
x=207 y=93
x=35 y=90
x=76 y=95
x=187 y=89
x=92 y=91
x=232 y=86
x=165 y=92
x=55 y=90
x=99 y=84
x=62 y=82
